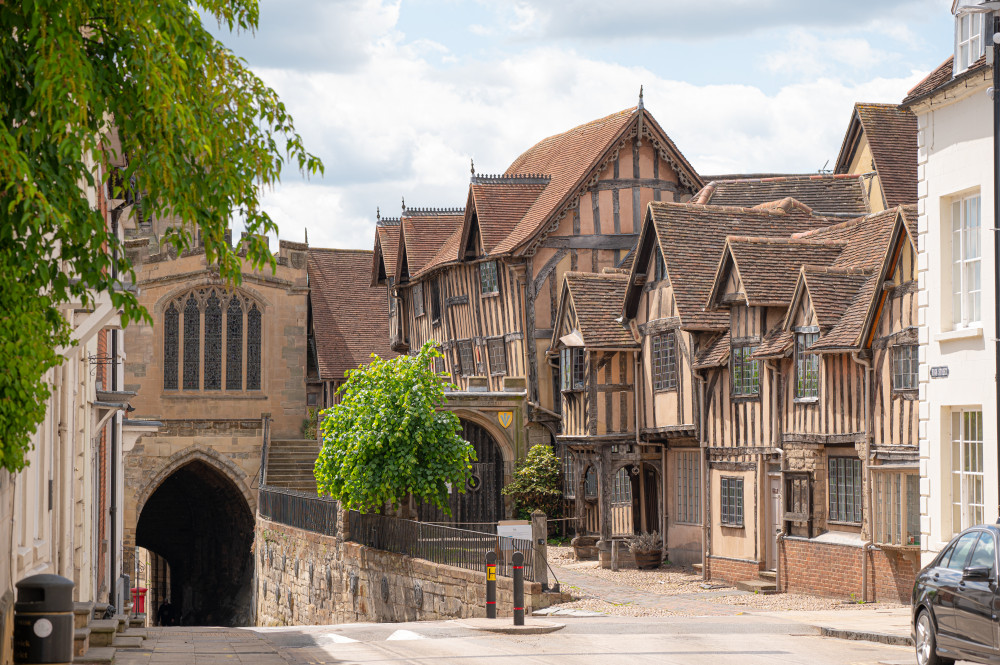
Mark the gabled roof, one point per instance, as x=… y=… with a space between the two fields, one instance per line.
x=691 y=238
x=715 y=353
x=597 y=301
x=386 y=248
x=350 y=320
x=892 y=137
x=827 y=287
x=825 y=194
x=500 y=203
x=767 y=266
x=424 y=231
x=570 y=160
x=941 y=79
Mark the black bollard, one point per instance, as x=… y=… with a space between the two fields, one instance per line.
x=491 y=585
x=518 y=565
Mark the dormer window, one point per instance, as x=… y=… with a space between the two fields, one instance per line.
x=968 y=39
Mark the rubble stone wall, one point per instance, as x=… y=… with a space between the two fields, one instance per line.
x=305 y=578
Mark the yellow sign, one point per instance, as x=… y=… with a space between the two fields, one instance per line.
x=505 y=418
x=491 y=574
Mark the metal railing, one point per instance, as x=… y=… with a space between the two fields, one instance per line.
x=439 y=544
x=298 y=509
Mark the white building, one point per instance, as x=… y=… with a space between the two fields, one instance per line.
x=958 y=415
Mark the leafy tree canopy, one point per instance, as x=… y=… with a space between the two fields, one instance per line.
x=200 y=136
x=388 y=438
x=536 y=483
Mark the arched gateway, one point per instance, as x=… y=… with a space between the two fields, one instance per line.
x=198 y=523
x=482 y=503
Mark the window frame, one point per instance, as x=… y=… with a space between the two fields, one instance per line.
x=569 y=474
x=392 y=299
x=417 y=294
x=572 y=369
x=435 y=301
x=460 y=346
x=492 y=345
x=974 y=41
x=807 y=364
x=844 y=490
x=687 y=478
x=905 y=364
x=896 y=501
x=966 y=239
x=663 y=361
x=731 y=489
x=966 y=481
x=489 y=275
x=740 y=364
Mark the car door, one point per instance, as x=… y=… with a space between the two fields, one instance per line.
x=946 y=578
x=975 y=612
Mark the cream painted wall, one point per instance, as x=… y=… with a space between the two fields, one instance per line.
x=955 y=150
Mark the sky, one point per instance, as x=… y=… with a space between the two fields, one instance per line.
x=397 y=97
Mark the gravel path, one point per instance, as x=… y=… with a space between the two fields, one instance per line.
x=672 y=590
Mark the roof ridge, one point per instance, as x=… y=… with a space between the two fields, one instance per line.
x=795 y=176
x=425 y=212
x=785 y=240
x=579 y=274
x=839 y=270
x=847 y=223
x=337 y=249
x=510 y=179
x=388 y=221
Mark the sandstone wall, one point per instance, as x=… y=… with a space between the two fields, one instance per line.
x=305 y=578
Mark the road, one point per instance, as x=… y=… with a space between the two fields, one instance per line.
x=746 y=640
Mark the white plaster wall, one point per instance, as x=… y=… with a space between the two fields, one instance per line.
x=955 y=155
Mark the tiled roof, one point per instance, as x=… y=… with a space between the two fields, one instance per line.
x=387 y=236
x=597 y=300
x=866 y=237
x=831 y=290
x=716 y=353
x=845 y=333
x=892 y=137
x=425 y=233
x=349 y=318
x=692 y=237
x=501 y=204
x=768 y=266
x=941 y=78
x=567 y=158
x=825 y=194
x=448 y=253
x=775 y=344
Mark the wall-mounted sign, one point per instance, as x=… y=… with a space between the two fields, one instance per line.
x=939 y=372
x=505 y=418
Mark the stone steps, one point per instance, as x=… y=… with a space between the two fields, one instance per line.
x=97 y=656
x=103 y=631
x=290 y=464
x=757 y=586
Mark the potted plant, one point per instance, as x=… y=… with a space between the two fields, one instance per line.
x=647 y=548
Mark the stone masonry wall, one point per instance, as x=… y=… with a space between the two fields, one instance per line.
x=304 y=578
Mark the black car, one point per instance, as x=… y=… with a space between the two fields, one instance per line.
x=956 y=600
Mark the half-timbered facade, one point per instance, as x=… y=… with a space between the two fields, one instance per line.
x=482 y=281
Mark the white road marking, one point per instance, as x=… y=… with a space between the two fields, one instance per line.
x=405 y=635
x=337 y=639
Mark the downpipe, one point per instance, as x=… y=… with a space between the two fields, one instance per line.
x=866 y=363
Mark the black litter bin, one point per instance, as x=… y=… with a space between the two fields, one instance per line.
x=43 y=620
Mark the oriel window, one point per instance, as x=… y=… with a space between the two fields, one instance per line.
x=571 y=369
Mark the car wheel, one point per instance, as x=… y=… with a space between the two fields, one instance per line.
x=926 y=642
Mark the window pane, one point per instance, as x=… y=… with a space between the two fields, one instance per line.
x=985 y=555
x=253 y=348
x=234 y=344
x=192 y=344
x=960 y=555
x=171 y=346
x=213 y=343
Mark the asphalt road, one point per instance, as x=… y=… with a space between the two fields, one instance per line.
x=746 y=640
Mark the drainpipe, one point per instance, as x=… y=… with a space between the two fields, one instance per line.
x=113 y=483
x=776 y=443
x=706 y=529
x=868 y=455
x=996 y=208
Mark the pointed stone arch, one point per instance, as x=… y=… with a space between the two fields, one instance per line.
x=220 y=463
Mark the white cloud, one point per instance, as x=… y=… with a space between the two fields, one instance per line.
x=806 y=54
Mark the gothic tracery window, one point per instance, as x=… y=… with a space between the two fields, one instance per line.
x=212 y=340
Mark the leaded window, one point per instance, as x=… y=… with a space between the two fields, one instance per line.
x=688 y=483
x=590 y=483
x=418 y=299
x=497 y=352
x=171 y=345
x=466 y=358
x=203 y=342
x=664 y=361
x=897 y=507
x=571 y=368
x=660 y=267
x=746 y=371
x=621 y=491
x=488 y=281
x=213 y=343
x=904 y=367
x=569 y=475
x=192 y=343
x=253 y=348
x=731 y=501
x=435 y=301
x=234 y=345
x=845 y=489
x=392 y=298
x=806 y=366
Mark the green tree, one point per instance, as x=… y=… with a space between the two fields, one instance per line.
x=388 y=437
x=536 y=483
x=200 y=134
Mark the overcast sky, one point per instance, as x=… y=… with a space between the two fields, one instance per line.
x=396 y=97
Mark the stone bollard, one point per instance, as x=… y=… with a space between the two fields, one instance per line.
x=491 y=585
x=517 y=563
x=539 y=547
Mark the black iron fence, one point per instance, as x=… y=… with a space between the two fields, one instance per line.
x=440 y=544
x=301 y=510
